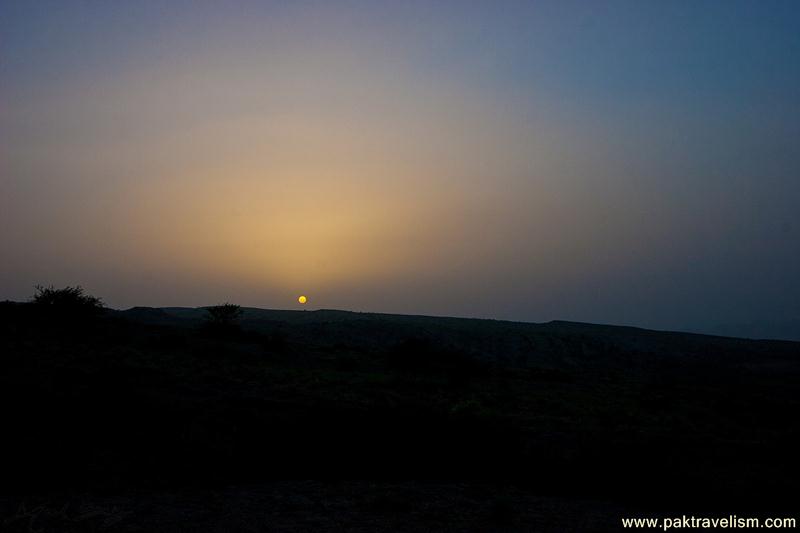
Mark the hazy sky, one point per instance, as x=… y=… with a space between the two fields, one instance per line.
x=621 y=162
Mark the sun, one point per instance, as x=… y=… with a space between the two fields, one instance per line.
x=302 y=299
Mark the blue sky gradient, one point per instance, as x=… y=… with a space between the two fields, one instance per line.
x=617 y=162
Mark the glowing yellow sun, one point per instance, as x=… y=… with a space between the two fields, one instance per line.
x=302 y=299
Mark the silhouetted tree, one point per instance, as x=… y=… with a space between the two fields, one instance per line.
x=72 y=300
x=224 y=315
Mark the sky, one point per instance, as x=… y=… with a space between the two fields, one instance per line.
x=617 y=162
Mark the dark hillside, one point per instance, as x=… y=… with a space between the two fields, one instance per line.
x=152 y=413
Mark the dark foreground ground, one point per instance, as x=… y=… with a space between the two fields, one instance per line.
x=149 y=420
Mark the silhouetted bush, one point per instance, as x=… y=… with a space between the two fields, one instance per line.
x=225 y=313
x=69 y=302
x=223 y=318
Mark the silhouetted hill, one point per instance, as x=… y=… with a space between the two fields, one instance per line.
x=556 y=344
x=324 y=420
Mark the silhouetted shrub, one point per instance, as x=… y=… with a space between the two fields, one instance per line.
x=223 y=318
x=224 y=314
x=69 y=302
